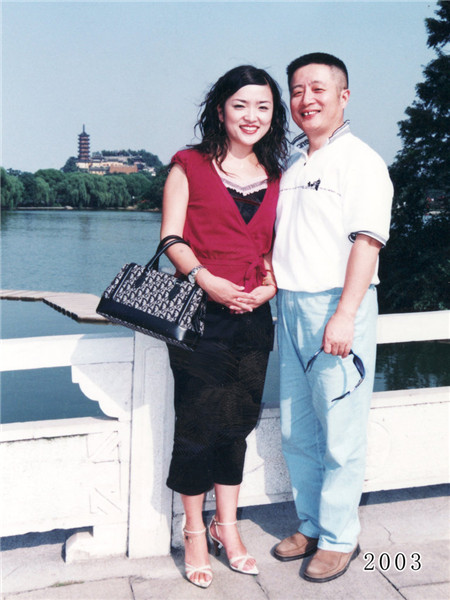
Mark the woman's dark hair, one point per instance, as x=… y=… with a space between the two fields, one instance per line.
x=272 y=150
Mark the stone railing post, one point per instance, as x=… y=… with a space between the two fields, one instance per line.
x=152 y=424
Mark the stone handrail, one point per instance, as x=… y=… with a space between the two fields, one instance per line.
x=109 y=474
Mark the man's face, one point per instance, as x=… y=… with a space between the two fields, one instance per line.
x=318 y=99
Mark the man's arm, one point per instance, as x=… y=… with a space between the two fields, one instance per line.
x=338 y=334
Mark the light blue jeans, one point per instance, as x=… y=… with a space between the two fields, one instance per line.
x=324 y=442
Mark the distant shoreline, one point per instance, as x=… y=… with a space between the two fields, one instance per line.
x=121 y=209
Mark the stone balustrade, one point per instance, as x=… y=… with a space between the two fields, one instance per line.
x=108 y=474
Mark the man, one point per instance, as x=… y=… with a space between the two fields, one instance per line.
x=332 y=219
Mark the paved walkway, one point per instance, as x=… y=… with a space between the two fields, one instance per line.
x=405 y=544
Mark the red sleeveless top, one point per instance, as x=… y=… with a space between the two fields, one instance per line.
x=215 y=229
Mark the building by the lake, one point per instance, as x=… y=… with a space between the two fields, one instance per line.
x=99 y=164
x=83 y=146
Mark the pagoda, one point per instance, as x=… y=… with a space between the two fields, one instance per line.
x=83 y=146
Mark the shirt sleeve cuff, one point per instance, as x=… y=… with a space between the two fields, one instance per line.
x=375 y=236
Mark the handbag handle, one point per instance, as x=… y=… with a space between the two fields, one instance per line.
x=163 y=245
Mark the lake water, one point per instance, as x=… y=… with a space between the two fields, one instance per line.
x=81 y=251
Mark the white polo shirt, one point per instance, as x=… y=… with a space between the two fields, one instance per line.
x=325 y=200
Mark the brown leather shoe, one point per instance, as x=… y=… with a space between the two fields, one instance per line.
x=326 y=565
x=294 y=547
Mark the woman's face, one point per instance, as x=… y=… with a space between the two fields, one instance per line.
x=247 y=114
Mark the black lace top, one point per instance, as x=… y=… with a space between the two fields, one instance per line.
x=248 y=197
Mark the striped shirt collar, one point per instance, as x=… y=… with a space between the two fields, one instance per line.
x=301 y=141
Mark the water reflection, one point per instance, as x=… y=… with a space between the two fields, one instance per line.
x=411 y=365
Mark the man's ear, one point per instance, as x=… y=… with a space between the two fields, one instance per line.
x=345 y=96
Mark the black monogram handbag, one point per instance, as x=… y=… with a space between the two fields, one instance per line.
x=159 y=304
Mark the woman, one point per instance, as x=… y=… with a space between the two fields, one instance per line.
x=221 y=196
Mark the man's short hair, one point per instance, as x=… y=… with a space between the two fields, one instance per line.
x=317 y=58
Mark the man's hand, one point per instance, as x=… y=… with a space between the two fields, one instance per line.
x=338 y=335
x=339 y=331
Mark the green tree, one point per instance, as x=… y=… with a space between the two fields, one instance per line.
x=29 y=186
x=54 y=179
x=151 y=160
x=36 y=191
x=52 y=176
x=70 y=165
x=117 y=189
x=154 y=195
x=12 y=190
x=73 y=190
x=415 y=266
x=14 y=172
x=138 y=185
x=42 y=192
x=97 y=190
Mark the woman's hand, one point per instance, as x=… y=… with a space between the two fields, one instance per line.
x=260 y=295
x=224 y=291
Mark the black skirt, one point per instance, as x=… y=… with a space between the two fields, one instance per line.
x=218 y=392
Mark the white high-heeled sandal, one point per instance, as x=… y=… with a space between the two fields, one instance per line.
x=237 y=563
x=190 y=570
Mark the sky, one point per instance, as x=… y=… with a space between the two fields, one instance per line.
x=134 y=73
